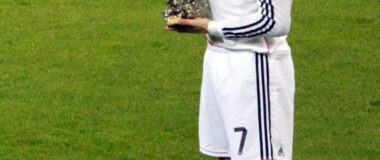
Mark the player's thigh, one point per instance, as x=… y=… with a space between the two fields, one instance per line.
x=282 y=106
x=238 y=102
x=212 y=137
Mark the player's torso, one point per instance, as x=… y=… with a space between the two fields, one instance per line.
x=232 y=9
x=236 y=9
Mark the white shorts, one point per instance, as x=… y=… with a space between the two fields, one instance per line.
x=246 y=108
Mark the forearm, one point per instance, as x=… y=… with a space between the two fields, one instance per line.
x=271 y=20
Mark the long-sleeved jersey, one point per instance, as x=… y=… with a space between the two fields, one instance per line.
x=256 y=25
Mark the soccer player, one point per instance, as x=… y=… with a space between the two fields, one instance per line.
x=246 y=107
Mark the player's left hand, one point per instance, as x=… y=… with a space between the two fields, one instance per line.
x=198 y=25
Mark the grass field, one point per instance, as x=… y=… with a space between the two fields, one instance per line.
x=101 y=79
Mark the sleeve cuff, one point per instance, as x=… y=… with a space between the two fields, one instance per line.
x=215 y=29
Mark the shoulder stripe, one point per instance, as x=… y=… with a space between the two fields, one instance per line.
x=256 y=28
x=246 y=26
x=249 y=32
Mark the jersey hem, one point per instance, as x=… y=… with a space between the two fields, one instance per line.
x=214 y=153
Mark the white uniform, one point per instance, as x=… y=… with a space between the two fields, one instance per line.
x=246 y=109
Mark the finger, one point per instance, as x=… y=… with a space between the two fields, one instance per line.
x=190 y=30
x=169 y=28
x=172 y=29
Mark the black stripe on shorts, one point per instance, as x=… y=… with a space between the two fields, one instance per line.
x=263 y=105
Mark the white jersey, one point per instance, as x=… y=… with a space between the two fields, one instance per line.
x=255 y=25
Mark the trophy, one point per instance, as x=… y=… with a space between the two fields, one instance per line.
x=185 y=9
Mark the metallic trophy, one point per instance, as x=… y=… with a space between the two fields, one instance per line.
x=186 y=9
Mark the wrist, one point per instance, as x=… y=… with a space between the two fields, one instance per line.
x=214 y=29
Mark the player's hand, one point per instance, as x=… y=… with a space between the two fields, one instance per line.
x=198 y=25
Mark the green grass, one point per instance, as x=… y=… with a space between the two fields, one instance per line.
x=96 y=79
